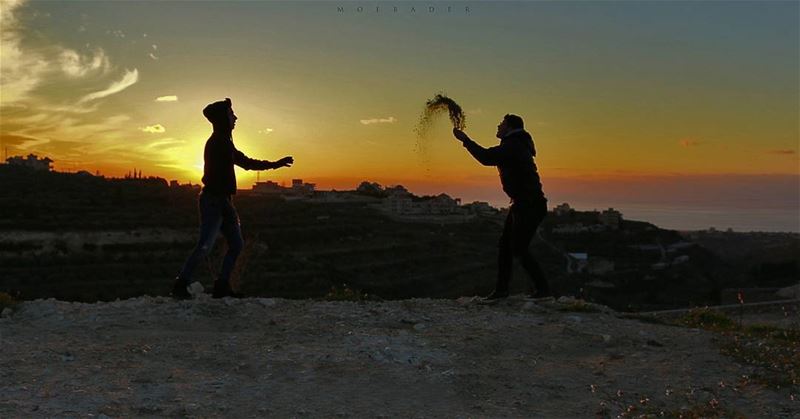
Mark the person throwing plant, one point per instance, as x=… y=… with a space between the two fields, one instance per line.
x=520 y=179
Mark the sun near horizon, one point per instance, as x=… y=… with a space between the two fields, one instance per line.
x=614 y=94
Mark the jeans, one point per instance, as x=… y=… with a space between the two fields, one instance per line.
x=520 y=227
x=216 y=214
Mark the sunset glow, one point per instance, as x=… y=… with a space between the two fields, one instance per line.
x=613 y=92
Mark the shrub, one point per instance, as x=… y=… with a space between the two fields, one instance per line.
x=705 y=318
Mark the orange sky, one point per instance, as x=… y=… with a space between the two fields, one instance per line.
x=612 y=92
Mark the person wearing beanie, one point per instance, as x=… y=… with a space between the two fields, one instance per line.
x=520 y=179
x=217 y=213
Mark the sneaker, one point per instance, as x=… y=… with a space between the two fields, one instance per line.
x=180 y=290
x=224 y=290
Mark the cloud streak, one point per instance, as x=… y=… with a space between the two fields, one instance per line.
x=171 y=98
x=128 y=79
x=783 y=152
x=389 y=120
x=154 y=129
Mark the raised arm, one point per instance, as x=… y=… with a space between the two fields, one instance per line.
x=486 y=156
x=247 y=163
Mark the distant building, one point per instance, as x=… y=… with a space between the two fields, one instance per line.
x=481 y=208
x=400 y=202
x=32 y=162
x=268 y=188
x=302 y=189
x=444 y=204
x=177 y=185
x=611 y=218
x=563 y=209
x=397 y=203
x=343 y=197
x=577 y=262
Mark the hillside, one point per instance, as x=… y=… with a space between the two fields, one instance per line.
x=408 y=358
x=79 y=237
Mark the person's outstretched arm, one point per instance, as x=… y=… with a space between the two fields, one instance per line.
x=486 y=156
x=247 y=163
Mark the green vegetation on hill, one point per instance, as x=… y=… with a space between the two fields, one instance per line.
x=102 y=239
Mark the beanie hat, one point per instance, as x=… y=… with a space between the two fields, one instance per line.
x=217 y=112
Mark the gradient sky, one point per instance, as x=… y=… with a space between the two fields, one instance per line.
x=615 y=93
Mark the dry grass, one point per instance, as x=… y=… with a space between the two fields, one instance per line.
x=774 y=352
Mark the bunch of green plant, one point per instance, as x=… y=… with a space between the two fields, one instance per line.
x=707 y=319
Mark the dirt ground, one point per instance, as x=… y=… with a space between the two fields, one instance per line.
x=153 y=357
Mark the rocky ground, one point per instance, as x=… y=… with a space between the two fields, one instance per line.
x=413 y=358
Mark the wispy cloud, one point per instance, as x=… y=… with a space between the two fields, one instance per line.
x=389 y=120
x=153 y=129
x=74 y=64
x=165 y=144
x=785 y=152
x=21 y=70
x=152 y=56
x=128 y=79
x=265 y=131
x=171 y=98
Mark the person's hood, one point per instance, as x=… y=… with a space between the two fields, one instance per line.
x=520 y=134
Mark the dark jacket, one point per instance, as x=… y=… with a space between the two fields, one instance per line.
x=220 y=155
x=514 y=161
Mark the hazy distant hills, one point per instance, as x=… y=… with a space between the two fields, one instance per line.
x=82 y=237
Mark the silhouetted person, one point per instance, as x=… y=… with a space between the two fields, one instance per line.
x=514 y=161
x=216 y=206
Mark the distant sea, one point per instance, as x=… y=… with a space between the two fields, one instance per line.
x=692 y=217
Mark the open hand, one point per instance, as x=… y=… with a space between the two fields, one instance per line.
x=286 y=161
x=460 y=135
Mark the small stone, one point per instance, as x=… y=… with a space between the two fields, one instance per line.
x=195 y=289
x=574 y=319
x=6 y=313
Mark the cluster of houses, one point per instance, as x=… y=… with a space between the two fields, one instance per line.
x=32 y=161
x=609 y=219
x=395 y=201
x=299 y=189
